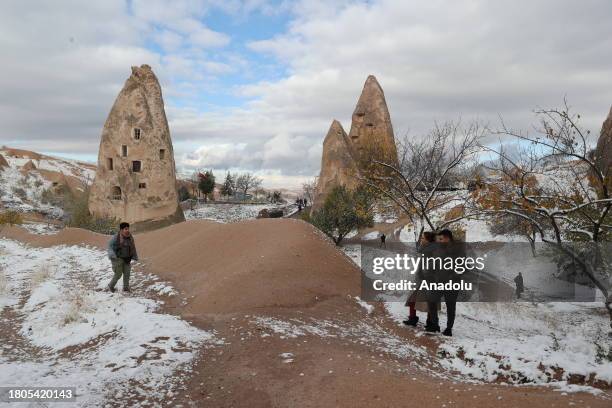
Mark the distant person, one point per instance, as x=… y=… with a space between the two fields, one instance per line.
x=444 y=250
x=121 y=252
x=383 y=241
x=427 y=238
x=520 y=285
x=305 y=202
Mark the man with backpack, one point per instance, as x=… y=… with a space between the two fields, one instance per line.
x=121 y=252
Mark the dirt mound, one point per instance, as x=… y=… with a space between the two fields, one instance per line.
x=67 y=236
x=240 y=267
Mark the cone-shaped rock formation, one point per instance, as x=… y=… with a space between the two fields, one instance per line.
x=371 y=137
x=338 y=167
x=371 y=129
x=136 y=176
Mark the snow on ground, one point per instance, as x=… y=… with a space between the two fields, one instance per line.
x=23 y=192
x=526 y=343
x=523 y=343
x=227 y=213
x=60 y=329
x=55 y=164
x=41 y=229
x=365 y=332
x=371 y=235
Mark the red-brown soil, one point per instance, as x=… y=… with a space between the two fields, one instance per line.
x=228 y=273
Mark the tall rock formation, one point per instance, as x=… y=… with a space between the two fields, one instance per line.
x=338 y=166
x=371 y=137
x=136 y=176
x=603 y=151
x=371 y=129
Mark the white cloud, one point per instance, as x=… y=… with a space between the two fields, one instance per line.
x=436 y=60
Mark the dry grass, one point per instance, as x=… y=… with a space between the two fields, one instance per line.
x=41 y=275
x=78 y=303
x=3 y=282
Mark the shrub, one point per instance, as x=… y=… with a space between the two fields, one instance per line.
x=20 y=192
x=343 y=211
x=78 y=215
x=183 y=194
x=77 y=305
x=10 y=217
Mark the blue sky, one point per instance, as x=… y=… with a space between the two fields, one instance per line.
x=253 y=85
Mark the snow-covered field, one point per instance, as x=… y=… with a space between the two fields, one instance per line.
x=68 y=167
x=23 y=192
x=526 y=343
x=554 y=344
x=227 y=213
x=59 y=328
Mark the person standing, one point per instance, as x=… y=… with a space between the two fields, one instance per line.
x=383 y=240
x=447 y=248
x=121 y=252
x=520 y=285
x=427 y=238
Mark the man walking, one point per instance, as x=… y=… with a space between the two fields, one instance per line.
x=383 y=241
x=520 y=285
x=121 y=252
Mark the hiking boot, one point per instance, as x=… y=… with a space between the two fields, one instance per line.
x=127 y=290
x=432 y=329
x=412 y=321
x=448 y=332
x=112 y=290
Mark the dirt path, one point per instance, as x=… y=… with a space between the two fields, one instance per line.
x=282 y=298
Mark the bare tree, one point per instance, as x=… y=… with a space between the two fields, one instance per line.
x=246 y=182
x=554 y=184
x=423 y=184
x=308 y=189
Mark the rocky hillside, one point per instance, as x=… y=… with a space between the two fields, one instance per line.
x=26 y=177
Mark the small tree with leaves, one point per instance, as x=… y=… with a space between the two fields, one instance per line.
x=227 y=189
x=343 y=211
x=206 y=183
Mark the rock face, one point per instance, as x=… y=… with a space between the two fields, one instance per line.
x=371 y=128
x=604 y=148
x=338 y=165
x=29 y=166
x=3 y=162
x=371 y=136
x=136 y=176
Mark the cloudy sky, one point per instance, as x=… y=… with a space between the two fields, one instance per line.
x=254 y=84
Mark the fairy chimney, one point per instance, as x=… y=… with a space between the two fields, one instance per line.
x=338 y=167
x=371 y=131
x=136 y=175
x=371 y=137
x=604 y=148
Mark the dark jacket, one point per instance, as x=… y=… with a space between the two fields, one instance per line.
x=127 y=252
x=422 y=274
x=519 y=283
